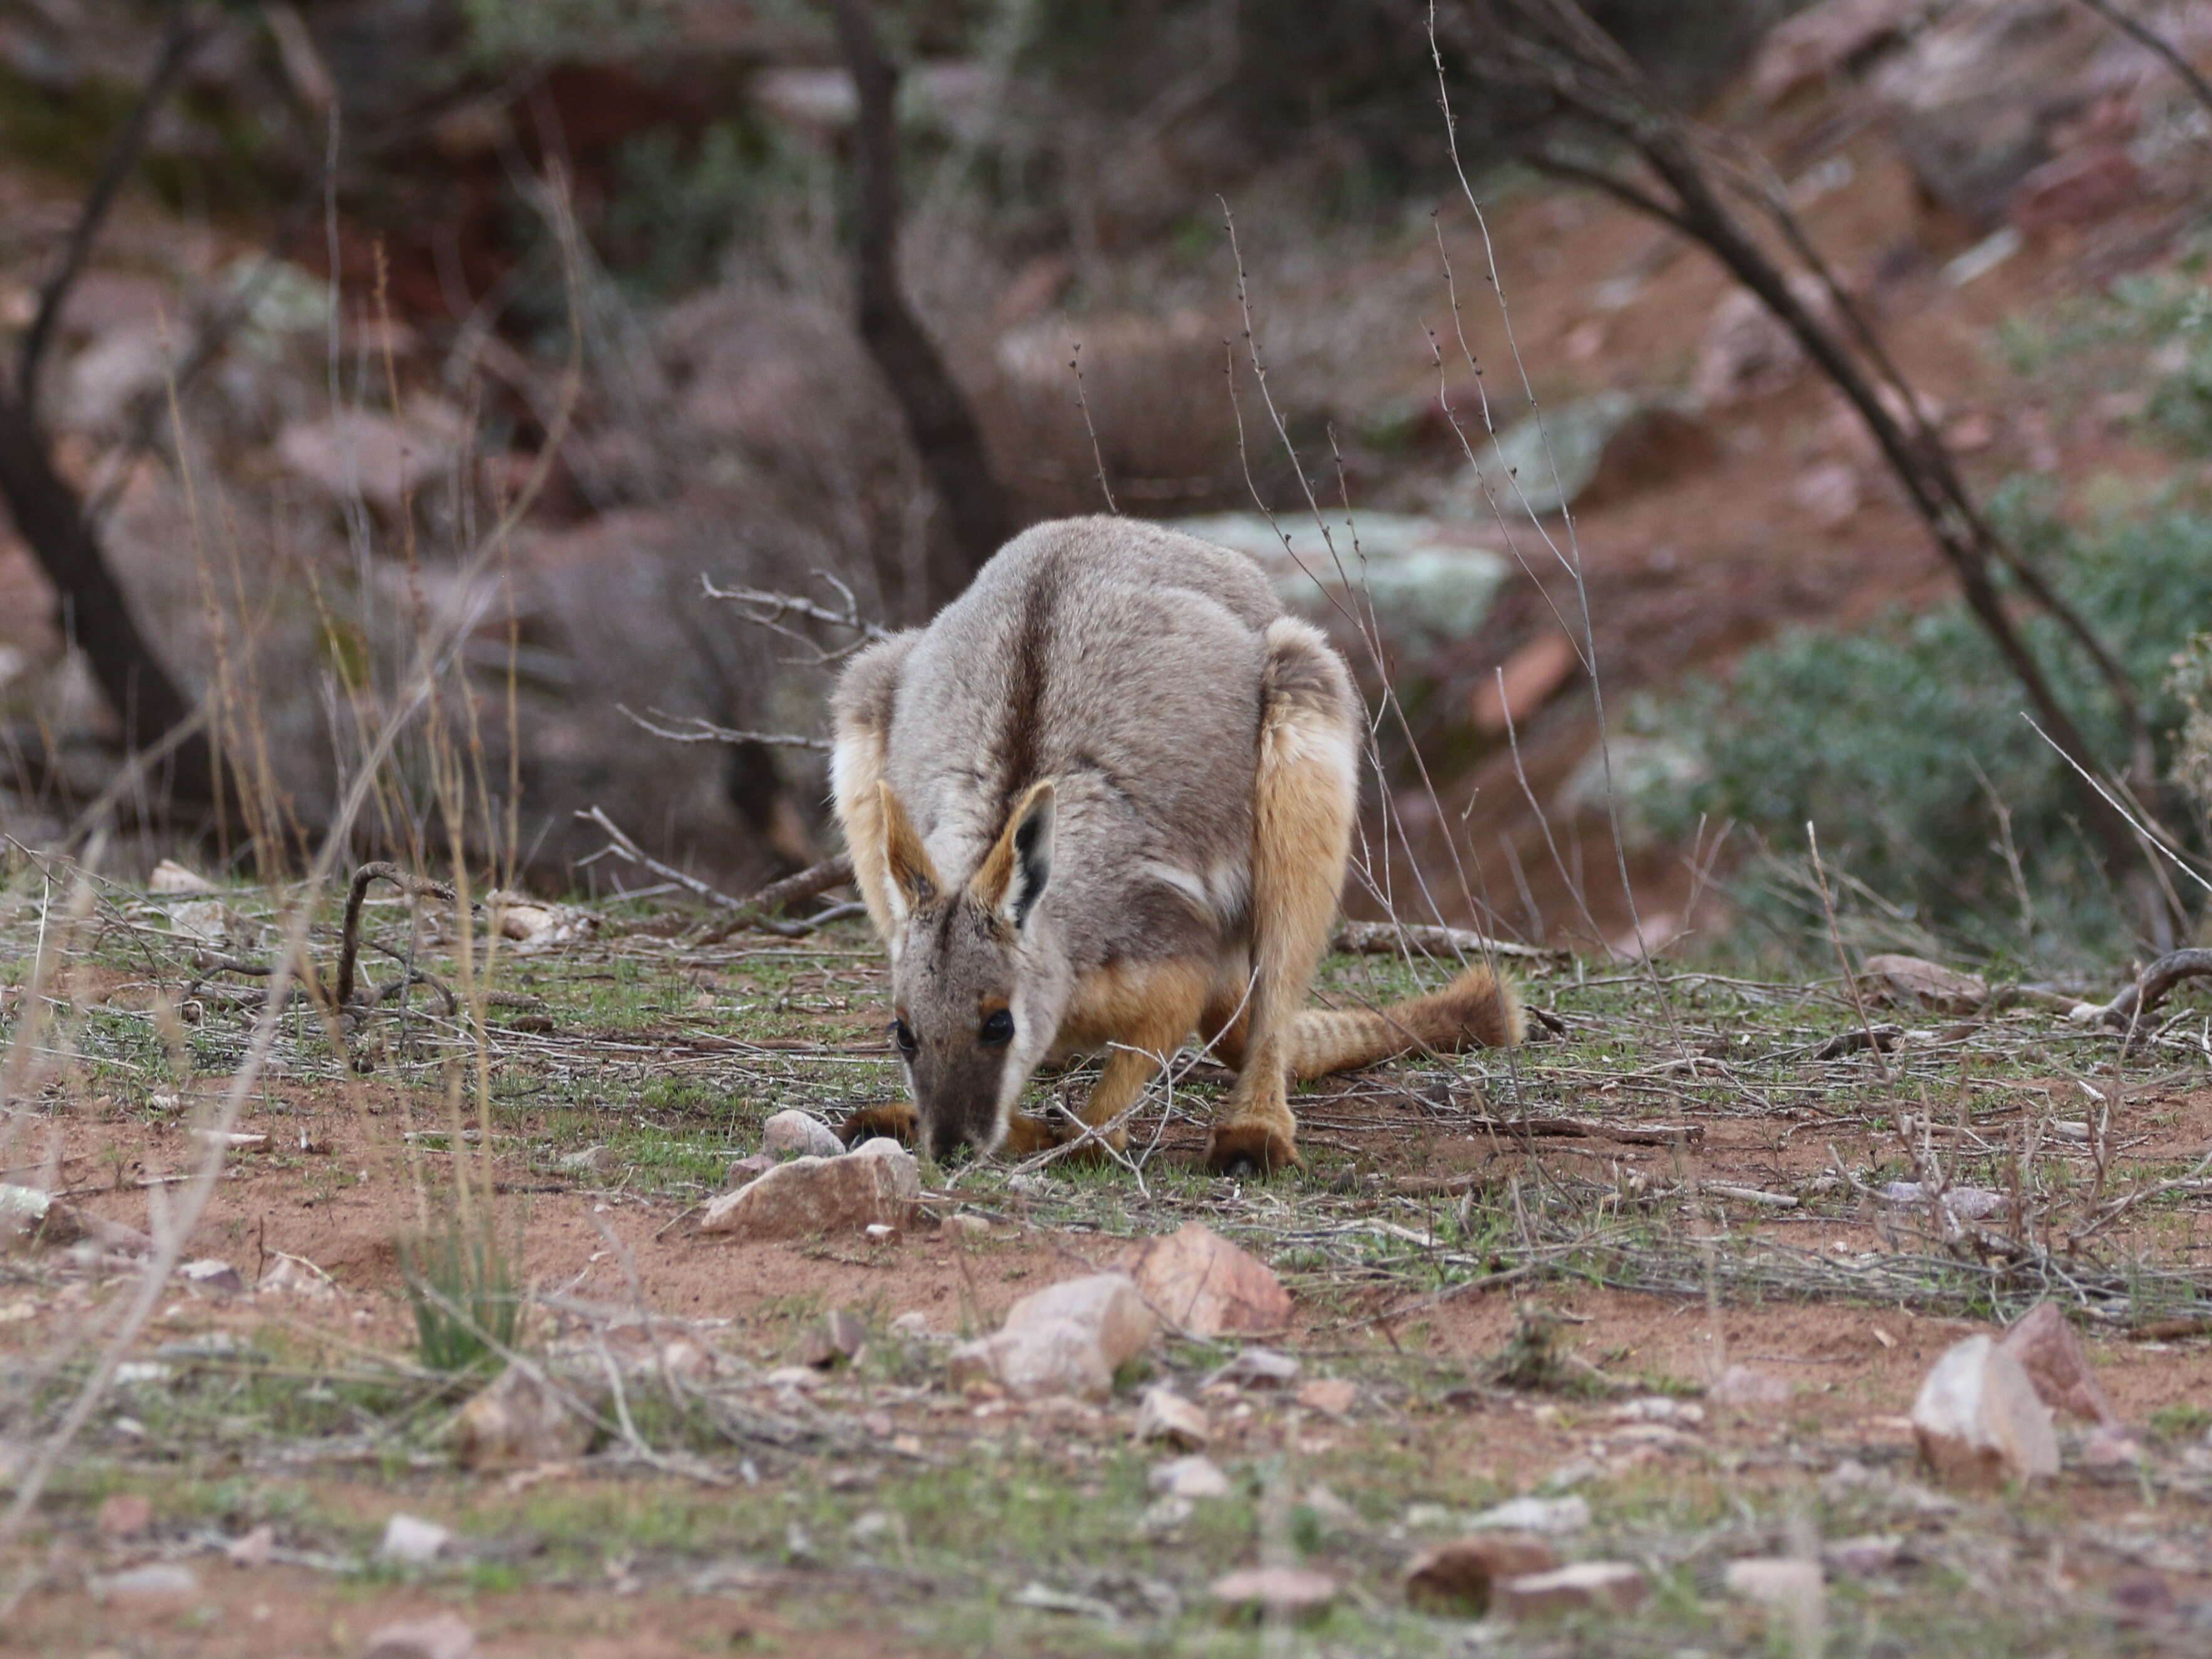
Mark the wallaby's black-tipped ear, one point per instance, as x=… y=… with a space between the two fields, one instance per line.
x=1013 y=874
x=914 y=879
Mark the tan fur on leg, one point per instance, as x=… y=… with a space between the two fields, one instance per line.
x=1304 y=795
x=861 y=710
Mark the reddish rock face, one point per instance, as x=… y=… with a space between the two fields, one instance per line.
x=1201 y=1283
x=2051 y=1355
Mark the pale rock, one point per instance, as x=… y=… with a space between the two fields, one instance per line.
x=253 y=1548
x=1829 y=492
x=1864 y=1556
x=1336 y=1396
x=1910 y=980
x=1166 y=1416
x=1746 y=1388
x=516 y=1422
x=411 y=1540
x=157 y=1581
x=1606 y=1586
x=1203 y=1285
x=33 y=1211
x=367 y=453
x=1553 y=1517
x=171 y=877
x=1978 y=1419
x=1658 y=1409
x=754 y=1164
x=536 y=925
x=212 y=1276
x=913 y=1324
x=2044 y=1342
x=1288 y=1592
x=1774 y=1581
x=202 y=919
x=110 y=376
x=1189 y=1477
x=787 y=1133
x=294 y=1276
x=878 y=1183
x=2109 y=1446
x=1069 y=1338
x=1966 y=1203
x=1263 y=1368
x=1163 y=1516
x=1458 y=1576
x=967 y=1228
x=441 y=1636
x=1334 y=1514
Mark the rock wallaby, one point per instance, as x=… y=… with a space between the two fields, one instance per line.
x=1103 y=801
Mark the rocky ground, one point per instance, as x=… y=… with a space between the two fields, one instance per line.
x=1653 y=1298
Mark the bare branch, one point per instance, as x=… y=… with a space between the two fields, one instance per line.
x=2151 y=40
x=701 y=730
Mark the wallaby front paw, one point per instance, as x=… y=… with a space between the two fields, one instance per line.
x=1251 y=1146
x=899 y=1123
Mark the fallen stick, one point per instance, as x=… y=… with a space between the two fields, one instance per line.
x=1385 y=938
x=1641 y=1134
x=2149 y=989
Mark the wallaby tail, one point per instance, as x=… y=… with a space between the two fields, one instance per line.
x=1478 y=1009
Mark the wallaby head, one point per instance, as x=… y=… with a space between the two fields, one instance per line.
x=976 y=991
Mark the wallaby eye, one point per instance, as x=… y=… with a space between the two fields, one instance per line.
x=903 y=1034
x=997 y=1027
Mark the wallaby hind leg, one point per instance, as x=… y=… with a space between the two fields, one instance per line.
x=1305 y=793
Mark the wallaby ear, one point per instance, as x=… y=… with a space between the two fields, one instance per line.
x=914 y=879
x=1013 y=874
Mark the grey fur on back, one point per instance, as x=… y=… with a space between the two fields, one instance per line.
x=1124 y=661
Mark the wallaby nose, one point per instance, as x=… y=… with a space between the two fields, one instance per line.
x=948 y=1143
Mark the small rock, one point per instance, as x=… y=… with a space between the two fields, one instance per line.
x=837 y=1335
x=1069 y=1338
x=294 y=1276
x=759 y=1163
x=1290 y=1592
x=1864 y=1556
x=1334 y=1514
x=1189 y=1477
x=1205 y=1285
x=124 y=1515
x=588 y=1160
x=360 y=453
x=880 y=1232
x=1164 y=1516
x=878 y=1183
x=2044 y=1344
x=1966 y=1203
x=441 y=1636
x=33 y=1211
x=789 y=1133
x=1457 y=1576
x=155 y=1580
x=1913 y=981
x=1166 y=1416
x=1554 y=1517
x=410 y=1539
x=1256 y=1368
x=2109 y=1446
x=517 y=1423
x=915 y=1323
x=1774 y=1581
x=253 y=1548
x=1743 y=1387
x=966 y=1227
x=203 y=920
x=1829 y=492
x=1608 y=1586
x=1747 y=352
x=171 y=877
x=1335 y=1394
x=212 y=1276
x=1658 y=1409
x=1978 y=1419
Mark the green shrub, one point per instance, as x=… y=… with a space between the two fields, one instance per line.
x=1905 y=743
